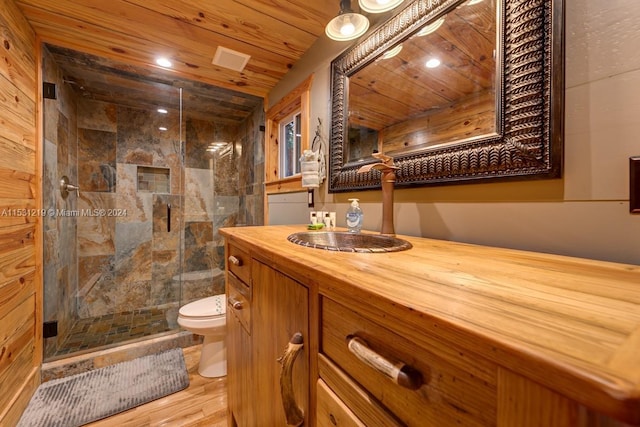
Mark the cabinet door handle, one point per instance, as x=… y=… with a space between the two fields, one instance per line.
x=400 y=373
x=293 y=413
x=234 y=303
x=235 y=261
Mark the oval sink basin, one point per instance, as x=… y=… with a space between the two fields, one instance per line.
x=349 y=242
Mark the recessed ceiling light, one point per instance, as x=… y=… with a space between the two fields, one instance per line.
x=162 y=111
x=163 y=62
x=162 y=128
x=215 y=146
x=472 y=2
x=432 y=63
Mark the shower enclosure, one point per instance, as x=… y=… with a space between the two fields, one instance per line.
x=159 y=167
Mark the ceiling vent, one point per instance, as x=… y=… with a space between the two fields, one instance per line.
x=231 y=59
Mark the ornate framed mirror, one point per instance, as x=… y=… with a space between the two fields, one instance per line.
x=455 y=91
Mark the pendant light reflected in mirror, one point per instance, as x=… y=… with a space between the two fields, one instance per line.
x=391 y=52
x=348 y=25
x=428 y=29
x=378 y=6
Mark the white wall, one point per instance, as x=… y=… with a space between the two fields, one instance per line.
x=586 y=213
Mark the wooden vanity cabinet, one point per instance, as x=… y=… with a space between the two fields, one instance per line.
x=380 y=349
x=333 y=412
x=239 y=354
x=265 y=309
x=459 y=388
x=444 y=385
x=280 y=310
x=239 y=378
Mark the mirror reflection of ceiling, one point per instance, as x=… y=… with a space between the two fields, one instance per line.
x=448 y=60
x=103 y=79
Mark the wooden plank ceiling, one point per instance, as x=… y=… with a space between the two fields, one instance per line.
x=275 y=33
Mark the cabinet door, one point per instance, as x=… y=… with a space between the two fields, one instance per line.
x=239 y=378
x=279 y=311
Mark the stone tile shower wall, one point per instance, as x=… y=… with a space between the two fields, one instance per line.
x=129 y=260
x=60 y=233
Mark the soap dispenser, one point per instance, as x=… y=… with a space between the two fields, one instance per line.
x=354 y=216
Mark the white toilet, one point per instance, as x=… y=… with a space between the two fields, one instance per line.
x=207 y=317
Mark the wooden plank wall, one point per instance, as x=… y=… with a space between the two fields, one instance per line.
x=466 y=118
x=20 y=279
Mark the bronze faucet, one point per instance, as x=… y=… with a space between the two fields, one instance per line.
x=388 y=171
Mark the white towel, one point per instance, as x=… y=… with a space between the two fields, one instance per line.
x=309 y=167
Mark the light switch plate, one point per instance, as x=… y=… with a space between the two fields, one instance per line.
x=634 y=184
x=310 y=202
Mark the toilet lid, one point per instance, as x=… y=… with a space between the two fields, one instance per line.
x=205 y=307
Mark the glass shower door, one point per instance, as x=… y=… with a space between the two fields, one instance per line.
x=211 y=191
x=113 y=251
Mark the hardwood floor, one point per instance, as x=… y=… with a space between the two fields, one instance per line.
x=202 y=404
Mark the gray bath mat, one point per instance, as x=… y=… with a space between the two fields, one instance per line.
x=80 y=399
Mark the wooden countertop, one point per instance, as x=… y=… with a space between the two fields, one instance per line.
x=568 y=323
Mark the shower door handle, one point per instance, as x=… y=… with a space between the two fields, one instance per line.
x=168 y=217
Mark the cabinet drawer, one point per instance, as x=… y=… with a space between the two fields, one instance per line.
x=238 y=300
x=332 y=412
x=457 y=388
x=239 y=263
x=359 y=403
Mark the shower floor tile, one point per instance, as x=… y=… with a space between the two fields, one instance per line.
x=111 y=329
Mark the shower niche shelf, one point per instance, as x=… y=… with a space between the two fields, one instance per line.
x=153 y=180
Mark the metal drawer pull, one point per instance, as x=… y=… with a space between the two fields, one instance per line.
x=235 y=261
x=292 y=412
x=399 y=373
x=234 y=303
